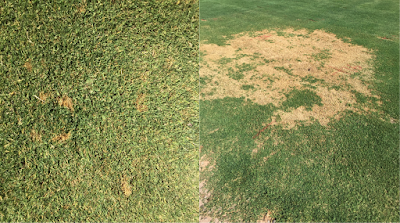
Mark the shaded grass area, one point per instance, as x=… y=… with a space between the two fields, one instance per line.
x=99 y=111
x=346 y=172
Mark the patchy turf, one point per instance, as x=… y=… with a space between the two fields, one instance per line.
x=299 y=111
x=99 y=111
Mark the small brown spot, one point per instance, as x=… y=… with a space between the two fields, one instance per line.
x=43 y=96
x=36 y=137
x=28 y=65
x=62 y=137
x=66 y=102
x=126 y=188
x=82 y=7
x=204 y=163
x=267 y=218
x=140 y=106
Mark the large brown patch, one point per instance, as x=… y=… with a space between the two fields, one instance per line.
x=272 y=63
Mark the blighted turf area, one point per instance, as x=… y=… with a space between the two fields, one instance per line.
x=307 y=76
x=282 y=65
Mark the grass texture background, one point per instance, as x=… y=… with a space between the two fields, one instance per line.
x=99 y=111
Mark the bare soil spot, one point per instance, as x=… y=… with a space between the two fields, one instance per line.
x=265 y=66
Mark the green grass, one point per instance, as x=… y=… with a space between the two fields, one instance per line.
x=247 y=87
x=323 y=55
x=312 y=80
x=284 y=70
x=346 y=172
x=297 y=98
x=130 y=151
x=234 y=74
x=224 y=60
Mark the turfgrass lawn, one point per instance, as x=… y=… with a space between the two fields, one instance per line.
x=343 y=172
x=99 y=111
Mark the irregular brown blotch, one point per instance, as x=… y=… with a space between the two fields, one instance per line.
x=66 y=102
x=35 y=136
x=275 y=62
x=126 y=188
x=140 y=106
x=62 y=137
x=28 y=65
x=82 y=7
x=43 y=96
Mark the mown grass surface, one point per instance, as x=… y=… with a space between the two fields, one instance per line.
x=99 y=111
x=346 y=172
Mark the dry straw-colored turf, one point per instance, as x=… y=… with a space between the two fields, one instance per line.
x=273 y=63
x=66 y=102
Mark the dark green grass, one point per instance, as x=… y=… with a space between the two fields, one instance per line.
x=297 y=98
x=284 y=70
x=103 y=56
x=346 y=172
x=235 y=74
x=247 y=87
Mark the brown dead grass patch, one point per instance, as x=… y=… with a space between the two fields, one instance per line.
x=28 y=65
x=82 y=7
x=125 y=186
x=205 y=163
x=62 y=137
x=140 y=106
x=43 y=96
x=66 y=102
x=284 y=60
x=35 y=136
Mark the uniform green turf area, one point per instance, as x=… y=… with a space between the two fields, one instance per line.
x=346 y=172
x=99 y=111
